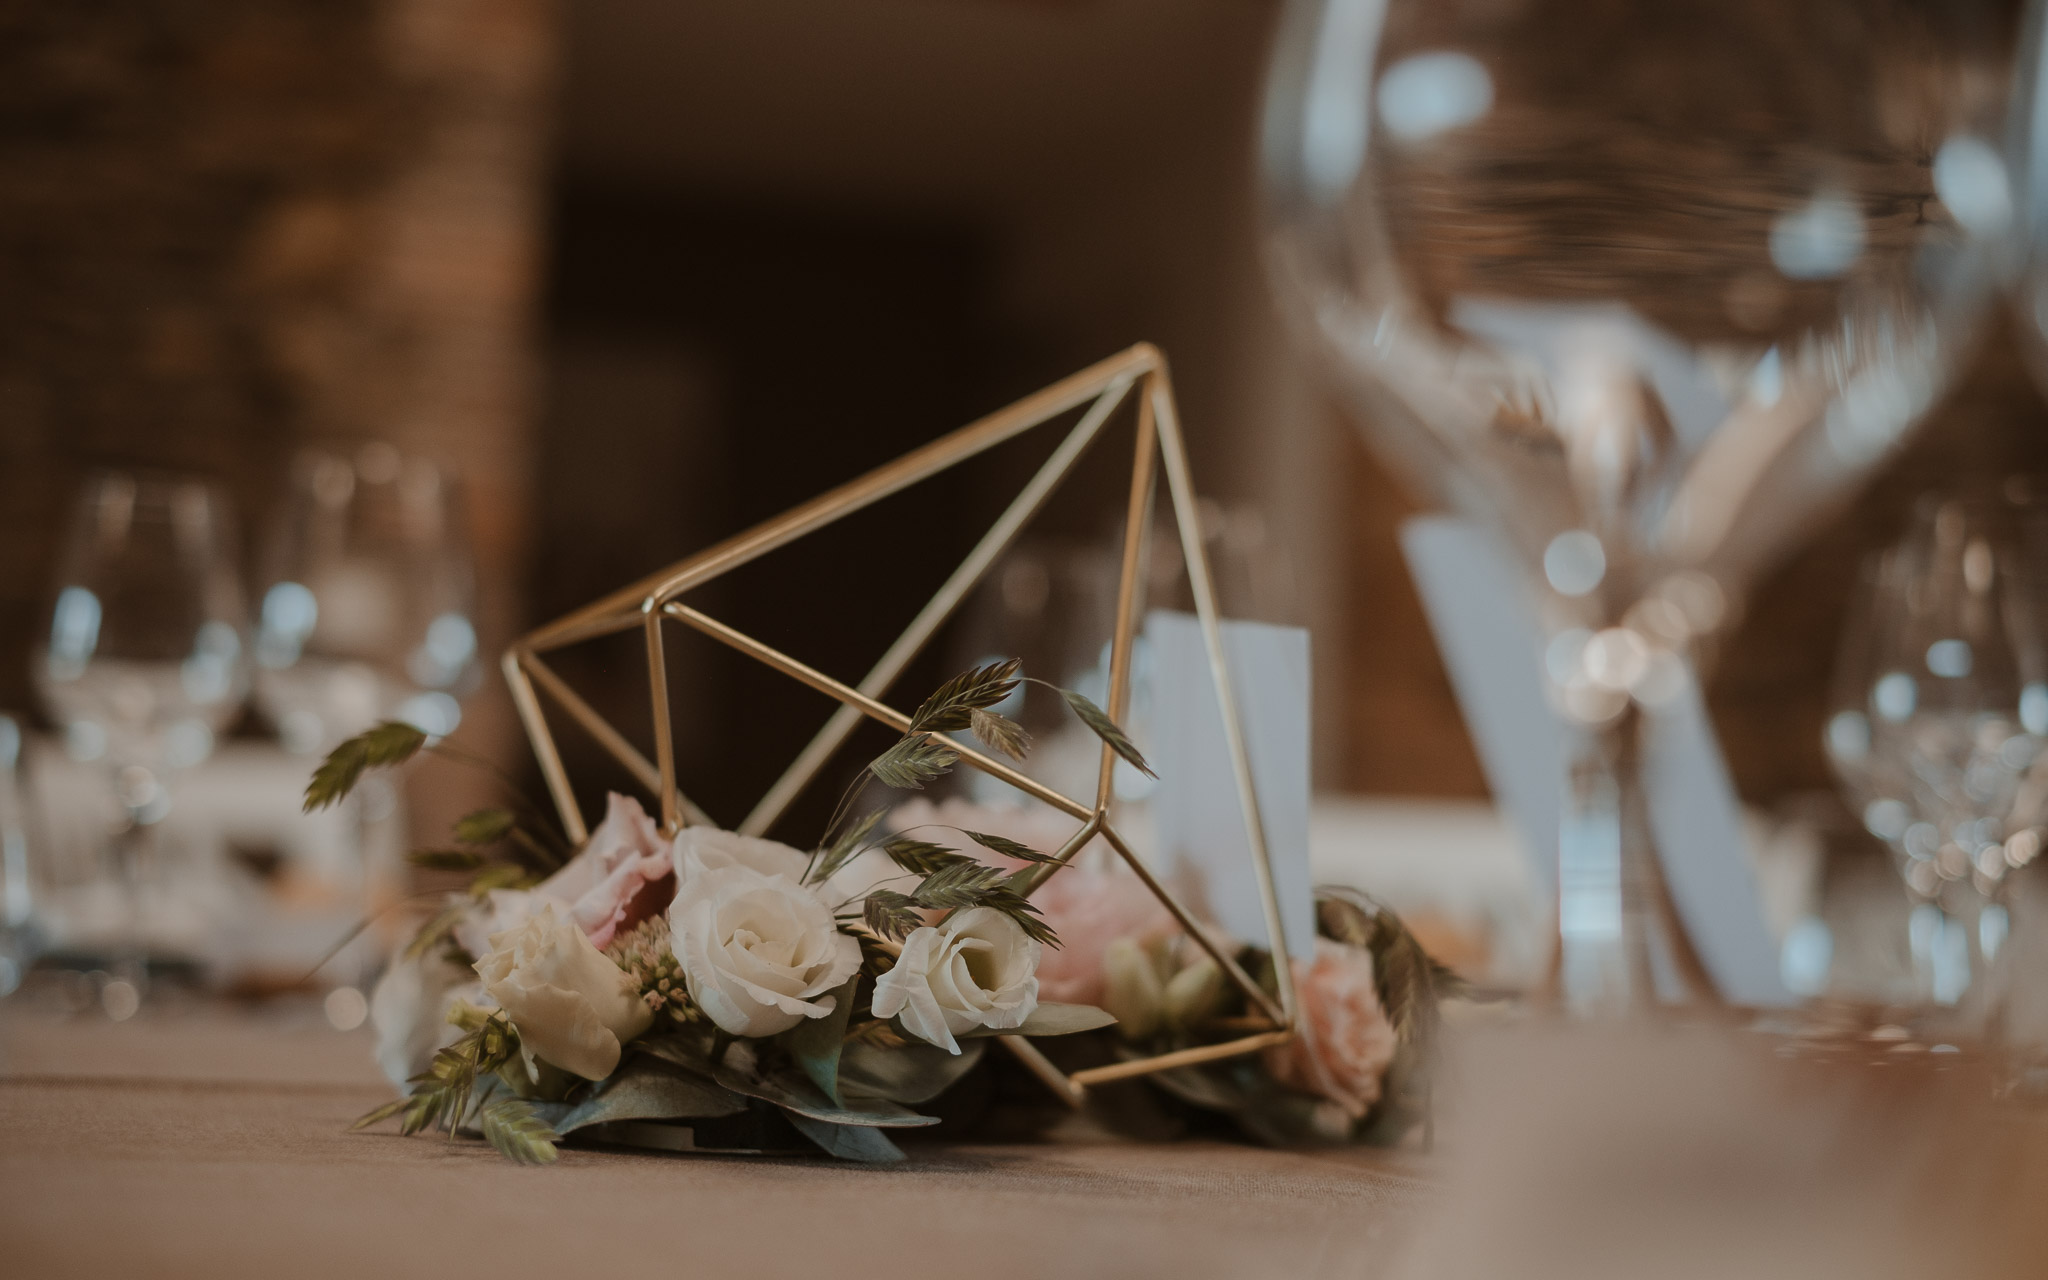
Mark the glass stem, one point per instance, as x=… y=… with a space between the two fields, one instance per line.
x=1615 y=915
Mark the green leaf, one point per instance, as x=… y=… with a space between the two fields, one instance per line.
x=1053 y=1019
x=485 y=826
x=1103 y=727
x=922 y=857
x=962 y=884
x=520 y=1135
x=794 y=1092
x=815 y=1042
x=911 y=763
x=380 y=747
x=889 y=914
x=972 y=884
x=646 y=1088
x=847 y=1141
x=435 y=929
x=380 y=1115
x=911 y=1074
x=843 y=849
x=446 y=859
x=1000 y=732
x=500 y=875
x=951 y=706
x=1008 y=848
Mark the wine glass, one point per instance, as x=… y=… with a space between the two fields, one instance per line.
x=1647 y=288
x=144 y=663
x=368 y=602
x=1953 y=674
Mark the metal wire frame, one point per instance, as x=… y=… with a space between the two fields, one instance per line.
x=647 y=604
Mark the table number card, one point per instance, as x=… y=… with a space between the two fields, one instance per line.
x=1198 y=820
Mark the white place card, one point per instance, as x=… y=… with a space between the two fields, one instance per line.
x=1486 y=628
x=1198 y=821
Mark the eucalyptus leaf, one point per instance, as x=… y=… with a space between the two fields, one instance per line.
x=815 y=1043
x=647 y=1089
x=792 y=1091
x=847 y=1141
x=911 y=1074
x=1053 y=1019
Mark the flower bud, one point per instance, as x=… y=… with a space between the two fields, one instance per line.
x=1132 y=992
x=1195 y=993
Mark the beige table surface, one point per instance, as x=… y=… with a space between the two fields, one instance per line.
x=211 y=1143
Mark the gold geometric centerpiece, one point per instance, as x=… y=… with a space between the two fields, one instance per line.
x=661 y=600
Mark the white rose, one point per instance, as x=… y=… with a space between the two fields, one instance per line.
x=759 y=951
x=571 y=1005
x=977 y=968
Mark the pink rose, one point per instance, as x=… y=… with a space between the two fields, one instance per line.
x=615 y=882
x=1342 y=1039
x=1090 y=903
x=622 y=876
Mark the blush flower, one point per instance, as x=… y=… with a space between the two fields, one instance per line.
x=1342 y=1040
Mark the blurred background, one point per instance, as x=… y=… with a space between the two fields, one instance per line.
x=595 y=283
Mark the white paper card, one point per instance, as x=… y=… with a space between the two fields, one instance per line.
x=1487 y=631
x=1199 y=825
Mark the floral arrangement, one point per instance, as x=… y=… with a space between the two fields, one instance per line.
x=755 y=994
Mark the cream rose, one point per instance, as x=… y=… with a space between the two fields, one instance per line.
x=976 y=968
x=571 y=1005
x=759 y=951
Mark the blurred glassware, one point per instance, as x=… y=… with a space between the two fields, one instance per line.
x=1647 y=289
x=368 y=601
x=144 y=664
x=1052 y=603
x=1942 y=714
x=20 y=932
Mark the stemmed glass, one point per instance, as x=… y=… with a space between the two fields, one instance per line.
x=1942 y=694
x=144 y=663
x=368 y=614
x=1647 y=288
x=368 y=600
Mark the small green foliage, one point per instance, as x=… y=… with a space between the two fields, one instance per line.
x=1103 y=727
x=485 y=826
x=390 y=743
x=446 y=859
x=499 y=875
x=889 y=914
x=827 y=862
x=914 y=761
x=971 y=884
x=1008 y=848
x=441 y=1095
x=951 y=706
x=517 y=1131
x=435 y=929
x=922 y=857
x=1000 y=732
